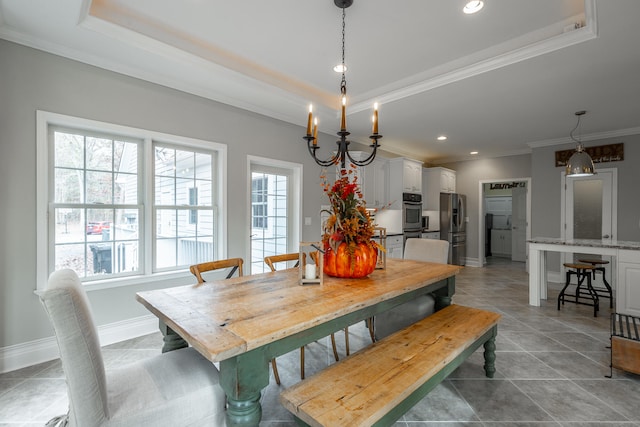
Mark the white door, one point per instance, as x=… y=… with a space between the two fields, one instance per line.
x=274 y=211
x=590 y=211
x=519 y=224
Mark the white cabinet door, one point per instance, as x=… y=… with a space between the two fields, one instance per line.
x=447 y=181
x=376 y=186
x=628 y=292
x=373 y=179
x=501 y=243
x=394 y=246
x=412 y=177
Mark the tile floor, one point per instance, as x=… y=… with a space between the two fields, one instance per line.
x=551 y=368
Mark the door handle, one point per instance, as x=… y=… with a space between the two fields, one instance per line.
x=606 y=236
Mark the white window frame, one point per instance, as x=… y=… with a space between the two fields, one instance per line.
x=44 y=266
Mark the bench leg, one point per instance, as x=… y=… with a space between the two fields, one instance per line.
x=490 y=357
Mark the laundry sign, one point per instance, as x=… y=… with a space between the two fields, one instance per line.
x=599 y=154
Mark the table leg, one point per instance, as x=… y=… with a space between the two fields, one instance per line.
x=490 y=357
x=242 y=378
x=172 y=341
x=443 y=295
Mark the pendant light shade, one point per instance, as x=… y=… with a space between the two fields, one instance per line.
x=580 y=163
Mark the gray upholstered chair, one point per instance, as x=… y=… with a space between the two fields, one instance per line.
x=178 y=388
x=428 y=250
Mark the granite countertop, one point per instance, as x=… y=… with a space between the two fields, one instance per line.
x=604 y=243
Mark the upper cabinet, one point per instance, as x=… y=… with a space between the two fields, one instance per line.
x=447 y=180
x=435 y=181
x=373 y=179
x=405 y=176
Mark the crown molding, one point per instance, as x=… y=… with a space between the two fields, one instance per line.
x=589 y=137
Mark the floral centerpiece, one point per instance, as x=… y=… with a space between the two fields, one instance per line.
x=349 y=250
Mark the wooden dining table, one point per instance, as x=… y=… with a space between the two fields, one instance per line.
x=244 y=322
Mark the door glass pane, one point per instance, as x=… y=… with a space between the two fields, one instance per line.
x=587 y=209
x=269 y=218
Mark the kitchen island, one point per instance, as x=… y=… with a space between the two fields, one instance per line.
x=625 y=267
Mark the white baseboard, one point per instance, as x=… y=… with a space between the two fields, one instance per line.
x=31 y=353
x=472 y=262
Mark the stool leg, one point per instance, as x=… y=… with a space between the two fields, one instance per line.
x=566 y=285
x=607 y=285
x=594 y=295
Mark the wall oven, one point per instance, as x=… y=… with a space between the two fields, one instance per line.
x=411 y=212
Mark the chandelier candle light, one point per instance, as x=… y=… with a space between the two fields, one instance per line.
x=343 y=143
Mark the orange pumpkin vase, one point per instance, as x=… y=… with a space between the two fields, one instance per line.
x=341 y=263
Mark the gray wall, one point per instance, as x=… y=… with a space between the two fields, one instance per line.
x=468 y=176
x=31 y=80
x=546 y=194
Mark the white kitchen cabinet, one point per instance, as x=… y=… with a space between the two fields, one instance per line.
x=628 y=292
x=501 y=243
x=435 y=181
x=376 y=183
x=373 y=179
x=395 y=246
x=447 y=181
x=405 y=176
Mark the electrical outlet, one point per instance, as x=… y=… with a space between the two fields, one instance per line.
x=307 y=220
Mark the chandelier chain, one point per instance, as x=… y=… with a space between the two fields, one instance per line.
x=341 y=155
x=343 y=83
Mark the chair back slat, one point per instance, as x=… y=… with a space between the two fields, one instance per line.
x=274 y=259
x=234 y=263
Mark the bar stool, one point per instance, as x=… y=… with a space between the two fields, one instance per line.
x=598 y=266
x=585 y=297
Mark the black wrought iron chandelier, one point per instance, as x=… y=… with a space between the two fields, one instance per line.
x=342 y=154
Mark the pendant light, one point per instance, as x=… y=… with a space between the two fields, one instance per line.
x=580 y=163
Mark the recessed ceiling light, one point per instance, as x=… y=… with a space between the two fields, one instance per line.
x=473 y=6
x=473 y=153
x=442 y=138
x=340 y=68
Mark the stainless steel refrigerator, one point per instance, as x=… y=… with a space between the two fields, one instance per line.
x=453 y=226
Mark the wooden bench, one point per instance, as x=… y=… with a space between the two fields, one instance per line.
x=378 y=384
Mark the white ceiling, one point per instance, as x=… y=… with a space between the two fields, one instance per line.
x=499 y=82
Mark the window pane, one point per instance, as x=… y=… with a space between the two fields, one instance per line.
x=99 y=259
x=166 y=253
x=125 y=157
x=99 y=187
x=165 y=161
x=185 y=164
x=68 y=150
x=99 y=154
x=68 y=185
x=165 y=191
x=126 y=224
x=126 y=257
x=71 y=256
x=203 y=166
x=205 y=193
x=182 y=190
x=126 y=189
x=165 y=223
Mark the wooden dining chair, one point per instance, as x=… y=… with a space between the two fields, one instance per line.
x=235 y=264
x=295 y=256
